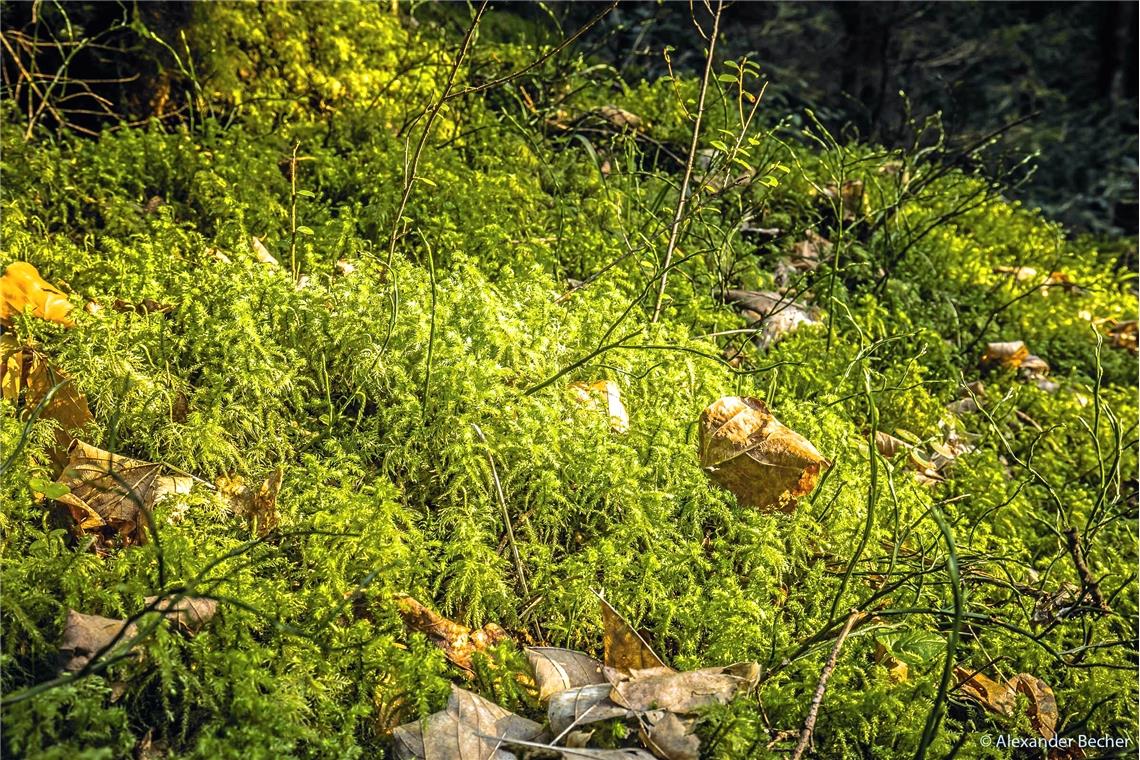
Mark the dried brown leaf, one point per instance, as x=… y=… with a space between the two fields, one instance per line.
x=258 y=506
x=584 y=753
x=556 y=670
x=1043 y=714
x=1008 y=354
x=685 y=692
x=261 y=253
x=458 y=642
x=590 y=395
x=625 y=650
x=469 y=728
x=672 y=738
x=620 y=118
x=26 y=372
x=996 y=697
x=109 y=493
x=748 y=451
x=582 y=706
x=191 y=613
x=86 y=635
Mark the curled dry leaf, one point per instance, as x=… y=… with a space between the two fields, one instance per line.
x=1043 y=715
x=556 y=670
x=671 y=738
x=994 y=696
x=685 y=692
x=748 y=451
x=191 y=613
x=258 y=506
x=625 y=649
x=458 y=642
x=619 y=118
x=588 y=394
x=773 y=314
x=84 y=636
x=26 y=372
x=261 y=253
x=22 y=288
x=108 y=493
x=582 y=706
x=1009 y=354
x=1001 y=698
x=469 y=728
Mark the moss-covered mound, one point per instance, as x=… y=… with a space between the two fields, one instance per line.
x=451 y=251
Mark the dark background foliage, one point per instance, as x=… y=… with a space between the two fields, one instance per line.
x=1053 y=80
x=1067 y=69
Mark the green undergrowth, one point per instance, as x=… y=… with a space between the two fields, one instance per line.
x=387 y=391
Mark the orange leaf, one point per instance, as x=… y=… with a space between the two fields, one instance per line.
x=1042 y=704
x=458 y=642
x=22 y=287
x=748 y=451
x=624 y=647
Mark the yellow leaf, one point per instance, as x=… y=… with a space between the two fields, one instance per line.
x=748 y=451
x=22 y=287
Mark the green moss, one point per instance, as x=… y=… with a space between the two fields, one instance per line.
x=388 y=486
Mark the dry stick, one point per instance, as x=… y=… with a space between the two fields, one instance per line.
x=506 y=520
x=1091 y=588
x=683 y=198
x=817 y=700
x=293 y=211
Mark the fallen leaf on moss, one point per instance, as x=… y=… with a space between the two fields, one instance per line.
x=86 y=635
x=588 y=395
x=996 y=697
x=625 y=649
x=1001 y=698
x=143 y=307
x=1125 y=335
x=22 y=288
x=852 y=201
x=257 y=505
x=888 y=445
x=582 y=706
x=585 y=753
x=458 y=642
x=671 y=738
x=685 y=692
x=807 y=253
x=748 y=451
x=261 y=253
x=26 y=373
x=166 y=486
x=773 y=315
x=557 y=670
x=108 y=492
x=191 y=613
x=619 y=118
x=1043 y=714
x=1009 y=354
x=469 y=728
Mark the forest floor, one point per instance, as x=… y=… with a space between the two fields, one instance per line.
x=395 y=370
